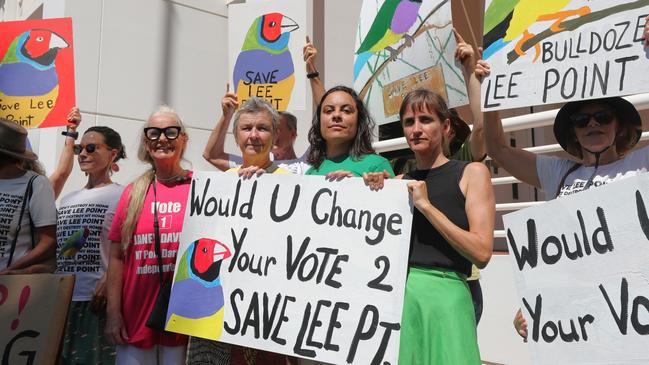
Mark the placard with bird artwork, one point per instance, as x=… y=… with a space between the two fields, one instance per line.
x=36 y=72
x=265 y=48
x=544 y=52
x=402 y=45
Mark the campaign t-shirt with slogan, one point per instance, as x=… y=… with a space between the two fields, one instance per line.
x=41 y=207
x=366 y=163
x=551 y=170
x=82 y=246
x=141 y=281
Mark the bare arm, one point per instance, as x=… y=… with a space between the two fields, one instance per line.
x=42 y=259
x=476 y=244
x=466 y=55
x=115 y=329
x=309 y=53
x=66 y=160
x=214 y=152
x=518 y=162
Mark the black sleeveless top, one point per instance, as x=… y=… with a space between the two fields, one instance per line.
x=428 y=248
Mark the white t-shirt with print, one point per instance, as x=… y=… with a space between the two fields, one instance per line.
x=41 y=207
x=551 y=170
x=92 y=209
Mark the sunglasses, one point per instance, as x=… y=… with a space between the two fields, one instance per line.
x=154 y=133
x=90 y=148
x=602 y=117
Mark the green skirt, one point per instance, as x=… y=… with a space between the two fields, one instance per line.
x=84 y=341
x=438 y=323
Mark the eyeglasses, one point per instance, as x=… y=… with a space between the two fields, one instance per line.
x=154 y=133
x=602 y=117
x=90 y=148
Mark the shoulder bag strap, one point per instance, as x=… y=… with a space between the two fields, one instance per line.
x=156 y=231
x=26 y=197
x=563 y=179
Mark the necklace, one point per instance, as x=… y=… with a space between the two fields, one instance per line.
x=172 y=178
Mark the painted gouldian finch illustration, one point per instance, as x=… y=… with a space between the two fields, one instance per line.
x=196 y=304
x=264 y=68
x=507 y=20
x=392 y=23
x=28 y=74
x=74 y=243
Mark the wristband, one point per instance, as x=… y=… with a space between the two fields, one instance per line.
x=73 y=135
x=312 y=75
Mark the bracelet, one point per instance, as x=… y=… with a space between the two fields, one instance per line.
x=312 y=75
x=73 y=135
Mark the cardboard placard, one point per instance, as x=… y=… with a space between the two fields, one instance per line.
x=36 y=72
x=33 y=312
x=265 y=41
x=394 y=92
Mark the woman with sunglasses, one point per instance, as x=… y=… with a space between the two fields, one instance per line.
x=145 y=238
x=599 y=133
x=84 y=218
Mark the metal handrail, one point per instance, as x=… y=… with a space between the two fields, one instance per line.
x=533 y=120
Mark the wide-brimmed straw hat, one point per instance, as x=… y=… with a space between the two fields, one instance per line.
x=461 y=129
x=13 y=141
x=626 y=114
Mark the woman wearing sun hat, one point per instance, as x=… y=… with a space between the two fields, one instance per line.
x=599 y=133
x=28 y=230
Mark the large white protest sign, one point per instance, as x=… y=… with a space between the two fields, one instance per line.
x=581 y=265
x=555 y=51
x=295 y=265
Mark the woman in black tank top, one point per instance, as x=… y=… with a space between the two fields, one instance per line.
x=452 y=229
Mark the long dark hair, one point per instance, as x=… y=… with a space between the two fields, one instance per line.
x=362 y=143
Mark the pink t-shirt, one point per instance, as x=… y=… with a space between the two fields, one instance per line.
x=141 y=279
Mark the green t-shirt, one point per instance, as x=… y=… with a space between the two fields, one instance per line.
x=366 y=163
x=464 y=153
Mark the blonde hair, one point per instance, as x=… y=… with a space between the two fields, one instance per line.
x=142 y=183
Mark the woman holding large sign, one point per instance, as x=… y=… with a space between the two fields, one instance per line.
x=341 y=137
x=254 y=128
x=452 y=229
x=145 y=235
